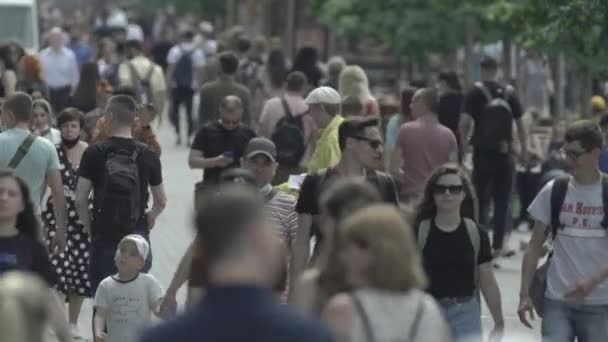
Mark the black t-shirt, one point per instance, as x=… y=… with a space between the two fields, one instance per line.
x=213 y=139
x=22 y=253
x=448 y=261
x=92 y=167
x=475 y=101
x=450 y=105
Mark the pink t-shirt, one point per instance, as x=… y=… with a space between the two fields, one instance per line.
x=425 y=144
x=273 y=111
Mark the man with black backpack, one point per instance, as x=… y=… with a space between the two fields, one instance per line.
x=361 y=146
x=570 y=291
x=119 y=171
x=143 y=75
x=493 y=108
x=185 y=62
x=284 y=121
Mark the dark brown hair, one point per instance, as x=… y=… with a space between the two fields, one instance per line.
x=587 y=133
x=426 y=209
x=70 y=115
x=354 y=126
x=27 y=222
x=122 y=109
x=20 y=105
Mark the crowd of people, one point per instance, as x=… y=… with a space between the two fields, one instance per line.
x=317 y=217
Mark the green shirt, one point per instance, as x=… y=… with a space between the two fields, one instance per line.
x=327 y=150
x=39 y=160
x=214 y=92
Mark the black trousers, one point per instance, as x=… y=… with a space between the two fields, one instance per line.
x=528 y=184
x=59 y=98
x=181 y=96
x=493 y=180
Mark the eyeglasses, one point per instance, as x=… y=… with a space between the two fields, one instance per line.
x=373 y=143
x=440 y=189
x=572 y=153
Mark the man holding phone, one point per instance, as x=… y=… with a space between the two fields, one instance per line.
x=220 y=145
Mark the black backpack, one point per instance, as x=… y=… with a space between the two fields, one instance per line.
x=119 y=205
x=493 y=128
x=143 y=86
x=558 y=196
x=288 y=136
x=184 y=69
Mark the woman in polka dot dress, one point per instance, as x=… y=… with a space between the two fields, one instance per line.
x=72 y=264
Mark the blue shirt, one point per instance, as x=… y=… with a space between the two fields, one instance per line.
x=604 y=161
x=240 y=314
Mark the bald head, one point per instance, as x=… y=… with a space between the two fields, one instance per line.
x=231 y=103
x=56 y=37
x=231 y=112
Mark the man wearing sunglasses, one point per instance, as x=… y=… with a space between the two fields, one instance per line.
x=220 y=145
x=422 y=145
x=573 y=209
x=361 y=148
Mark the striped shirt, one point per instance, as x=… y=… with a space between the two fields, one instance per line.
x=281 y=209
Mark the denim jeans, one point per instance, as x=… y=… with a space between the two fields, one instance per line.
x=464 y=320
x=563 y=322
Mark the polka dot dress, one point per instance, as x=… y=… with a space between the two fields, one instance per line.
x=72 y=265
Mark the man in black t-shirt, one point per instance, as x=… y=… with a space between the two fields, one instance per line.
x=220 y=145
x=492 y=170
x=362 y=149
x=92 y=173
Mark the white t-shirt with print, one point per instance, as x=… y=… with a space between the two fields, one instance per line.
x=128 y=305
x=581 y=247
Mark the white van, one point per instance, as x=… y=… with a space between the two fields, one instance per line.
x=19 y=23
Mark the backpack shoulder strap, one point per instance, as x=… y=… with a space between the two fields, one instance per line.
x=486 y=92
x=134 y=74
x=286 y=108
x=150 y=72
x=558 y=195
x=473 y=232
x=424 y=230
x=367 y=326
x=22 y=151
x=605 y=200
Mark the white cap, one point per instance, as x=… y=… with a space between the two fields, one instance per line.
x=142 y=245
x=324 y=95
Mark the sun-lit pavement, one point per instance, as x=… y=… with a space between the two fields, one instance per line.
x=173 y=232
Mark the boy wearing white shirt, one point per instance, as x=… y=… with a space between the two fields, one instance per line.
x=576 y=298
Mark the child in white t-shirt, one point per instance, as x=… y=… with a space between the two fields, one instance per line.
x=124 y=302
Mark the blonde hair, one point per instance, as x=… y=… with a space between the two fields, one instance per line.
x=395 y=262
x=353 y=82
x=24 y=307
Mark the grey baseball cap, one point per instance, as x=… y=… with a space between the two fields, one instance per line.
x=263 y=146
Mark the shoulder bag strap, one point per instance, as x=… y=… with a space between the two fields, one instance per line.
x=424 y=231
x=22 y=151
x=288 y=112
x=605 y=200
x=414 y=329
x=473 y=233
x=367 y=326
x=558 y=195
x=134 y=75
x=486 y=92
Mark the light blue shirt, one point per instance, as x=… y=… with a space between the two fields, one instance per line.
x=39 y=160
x=59 y=69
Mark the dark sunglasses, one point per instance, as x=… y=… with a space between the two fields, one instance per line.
x=373 y=143
x=452 y=189
x=572 y=153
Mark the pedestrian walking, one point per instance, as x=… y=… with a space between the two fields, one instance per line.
x=384 y=271
x=313 y=289
x=243 y=260
x=185 y=62
x=121 y=173
x=22 y=250
x=422 y=145
x=456 y=254
x=494 y=109
x=220 y=145
x=324 y=108
x=572 y=296
x=361 y=145
x=126 y=301
x=60 y=70
x=353 y=82
x=43 y=121
x=72 y=263
x=34 y=160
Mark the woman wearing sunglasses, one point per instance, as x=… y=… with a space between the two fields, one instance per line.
x=457 y=255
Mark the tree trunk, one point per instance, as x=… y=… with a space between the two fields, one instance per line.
x=290 y=29
x=507 y=62
x=559 y=97
x=469 y=54
x=586 y=78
